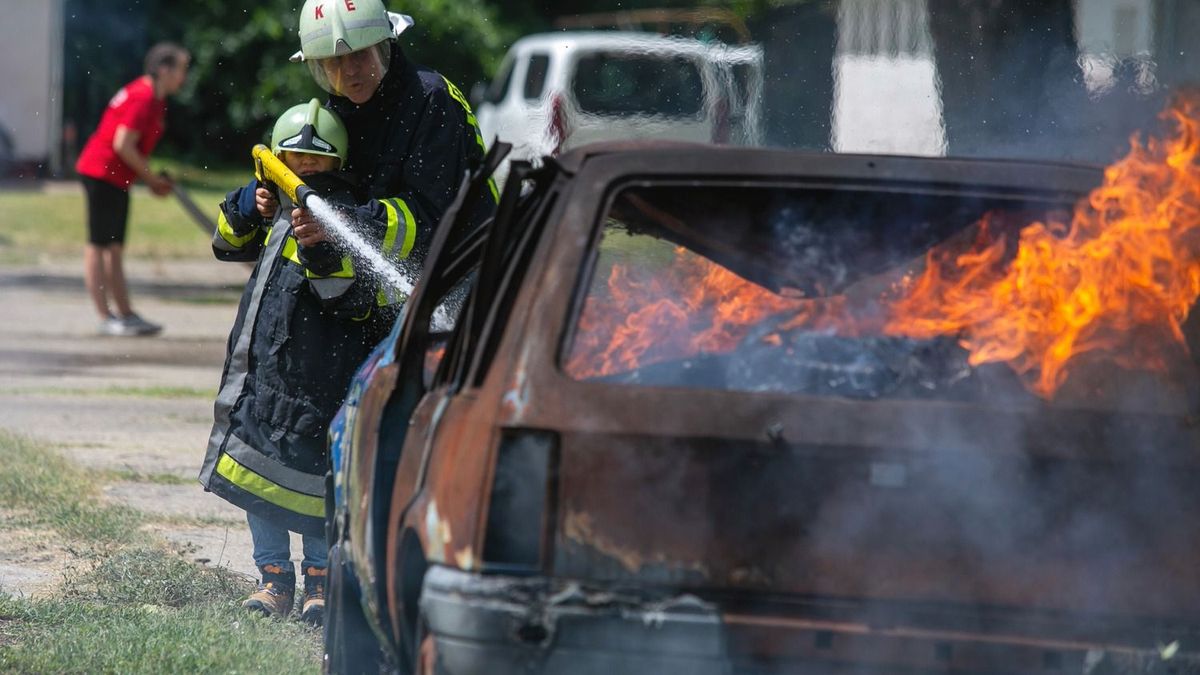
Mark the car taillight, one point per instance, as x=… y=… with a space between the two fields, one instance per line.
x=559 y=127
x=522 y=487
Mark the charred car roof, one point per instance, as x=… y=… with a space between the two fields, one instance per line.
x=658 y=157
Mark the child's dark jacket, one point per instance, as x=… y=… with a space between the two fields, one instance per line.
x=308 y=318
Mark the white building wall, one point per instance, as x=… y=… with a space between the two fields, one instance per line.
x=31 y=77
x=886 y=96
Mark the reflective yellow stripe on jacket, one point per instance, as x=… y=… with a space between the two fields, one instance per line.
x=474 y=122
x=398 y=213
x=226 y=232
x=232 y=471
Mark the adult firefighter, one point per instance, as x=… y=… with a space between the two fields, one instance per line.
x=413 y=135
x=412 y=139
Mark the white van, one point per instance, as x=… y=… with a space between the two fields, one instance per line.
x=556 y=91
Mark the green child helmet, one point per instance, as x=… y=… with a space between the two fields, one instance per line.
x=332 y=28
x=310 y=128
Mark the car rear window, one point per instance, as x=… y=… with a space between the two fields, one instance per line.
x=786 y=289
x=621 y=83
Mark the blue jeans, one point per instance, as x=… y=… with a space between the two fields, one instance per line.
x=272 y=545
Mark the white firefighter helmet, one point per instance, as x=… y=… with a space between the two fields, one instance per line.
x=332 y=28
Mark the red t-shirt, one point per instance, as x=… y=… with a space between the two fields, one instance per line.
x=134 y=106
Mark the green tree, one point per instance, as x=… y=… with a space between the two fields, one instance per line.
x=241 y=78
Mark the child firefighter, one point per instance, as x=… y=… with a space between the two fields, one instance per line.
x=310 y=314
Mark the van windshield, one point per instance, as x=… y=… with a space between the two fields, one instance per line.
x=622 y=83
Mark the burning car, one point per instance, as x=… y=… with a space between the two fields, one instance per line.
x=714 y=410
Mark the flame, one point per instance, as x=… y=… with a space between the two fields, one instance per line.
x=1117 y=280
x=693 y=306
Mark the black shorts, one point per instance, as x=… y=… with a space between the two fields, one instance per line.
x=107 y=211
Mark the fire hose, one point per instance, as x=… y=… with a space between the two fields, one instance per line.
x=189 y=205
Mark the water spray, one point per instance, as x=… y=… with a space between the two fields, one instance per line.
x=270 y=169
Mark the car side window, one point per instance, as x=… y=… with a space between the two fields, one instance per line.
x=501 y=261
x=535 y=76
x=500 y=84
x=441 y=329
x=506 y=262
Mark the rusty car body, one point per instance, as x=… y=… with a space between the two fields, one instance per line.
x=839 y=505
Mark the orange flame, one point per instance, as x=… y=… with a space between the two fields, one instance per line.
x=694 y=306
x=1118 y=280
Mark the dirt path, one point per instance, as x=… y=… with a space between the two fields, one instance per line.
x=138 y=410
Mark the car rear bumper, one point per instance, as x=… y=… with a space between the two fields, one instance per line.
x=503 y=624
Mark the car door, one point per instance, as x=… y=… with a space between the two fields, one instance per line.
x=493 y=262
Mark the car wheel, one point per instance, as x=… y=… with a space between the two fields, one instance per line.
x=351 y=647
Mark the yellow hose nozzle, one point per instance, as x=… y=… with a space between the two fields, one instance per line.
x=268 y=167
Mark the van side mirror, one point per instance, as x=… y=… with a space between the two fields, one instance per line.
x=478 y=91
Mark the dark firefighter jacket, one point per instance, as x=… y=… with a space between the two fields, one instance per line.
x=430 y=139
x=304 y=325
x=410 y=146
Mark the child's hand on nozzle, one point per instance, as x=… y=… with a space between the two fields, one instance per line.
x=265 y=202
x=308 y=231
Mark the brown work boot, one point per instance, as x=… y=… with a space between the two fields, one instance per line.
x=313 y=610
x=276 y=593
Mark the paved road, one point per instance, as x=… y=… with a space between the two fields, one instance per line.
x=139 y=405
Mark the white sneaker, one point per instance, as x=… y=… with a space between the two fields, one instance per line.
x=129 y=326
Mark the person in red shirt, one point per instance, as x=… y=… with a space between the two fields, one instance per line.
x=116 y=155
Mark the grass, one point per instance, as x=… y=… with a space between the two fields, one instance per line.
x=145 y=610
x=51 y=491
x=155 y=392
x=199 y=521
x=133 y=476
x=206 y=178
x=227 y=297
x=128 y=605
x=50 y=224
